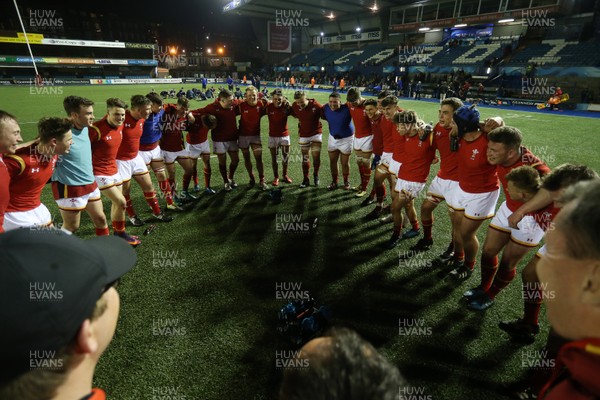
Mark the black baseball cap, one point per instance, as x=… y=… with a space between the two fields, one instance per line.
x=49 y=284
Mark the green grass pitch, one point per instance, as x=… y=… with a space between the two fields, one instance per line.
x=198 y=312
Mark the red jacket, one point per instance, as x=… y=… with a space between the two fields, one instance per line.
x=575 y=376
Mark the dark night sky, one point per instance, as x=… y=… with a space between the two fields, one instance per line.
x=193 y=13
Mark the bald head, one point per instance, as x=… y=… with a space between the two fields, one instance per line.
x=343 y=366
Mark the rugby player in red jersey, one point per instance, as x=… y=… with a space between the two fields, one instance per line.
x=478 y=189
x=418 y=156
x=225 y=135
x=10 y=136
x=172 y=144
x=106 y=136
x=374 y=114
x=390 y=133
x=506 y=152
x=279 y=137
x=310 y=129
x=251 y=110
x=382 y=161
x=363 y=138
x=197 y=146
x=523 y=184
x=381 y=173
x=444 y=184
x=131 y=164
x=30 y=168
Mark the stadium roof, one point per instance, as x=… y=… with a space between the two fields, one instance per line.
x=315 y=10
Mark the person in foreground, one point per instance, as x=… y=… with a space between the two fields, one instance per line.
x=63 y=308
x=341 y=365
x=570 y=271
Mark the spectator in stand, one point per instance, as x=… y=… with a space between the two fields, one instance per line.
x=418 y=91
x=443 y=91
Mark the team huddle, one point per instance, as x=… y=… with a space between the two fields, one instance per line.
x=85 y=159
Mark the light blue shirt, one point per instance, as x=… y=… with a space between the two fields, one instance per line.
x=75 y=168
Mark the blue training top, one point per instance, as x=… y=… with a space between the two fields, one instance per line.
x=340 y=121
x=75 y=167
x=152 y=132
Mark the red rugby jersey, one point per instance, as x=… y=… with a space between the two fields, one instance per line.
x=29 y=172
x=197 y=132
x=172 y=127
x=362 y=125
x=449 y=159
x=226 y=129
x=398 y=140
x=388 y=130
x=527 y=158
x=278 y=117
x=250 y=118
x=475 y=174
x=309 y=118
x=544 y=217
x=377 y=134
x=4 y=191
x=106 y=140
x=418 y=156
x=132 y=132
